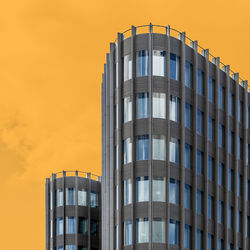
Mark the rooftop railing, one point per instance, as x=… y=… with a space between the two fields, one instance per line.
x=160 y=29
x=77 y=174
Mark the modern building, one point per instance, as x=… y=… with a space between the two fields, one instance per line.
x=73 y=211
x=175 y=142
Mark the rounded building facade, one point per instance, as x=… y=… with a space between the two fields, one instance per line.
x=73 y=211
x=175 y=146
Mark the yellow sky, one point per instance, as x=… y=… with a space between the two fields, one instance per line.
x=51 y=60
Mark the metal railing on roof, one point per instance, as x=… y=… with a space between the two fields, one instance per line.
x=77 y=174
x=150 y=28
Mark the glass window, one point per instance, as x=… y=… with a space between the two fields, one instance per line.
x=51 y=229
x=127 y=109
x=59 y=248
x=199 y=122
x=239 y=222
x=173 y=232
x=70 y=196
x=83 y=226
x=174 y=187
x=159 y=105
x=240 y=148
x=230 y=246
x=174 y=67
x=158 y=231
x=174 y=108
x=127 y=232
x=127 y=151
x=82 y=197
x=93 y=199
x=221 y=212
x=221 y=97
x=220 y=244
x=159 y=63
x=188 y=74
x=199 y=162
x=94 y=228
x=188 y=115
x=159 y=147
x=248 y=226
x=142 y=192
x=159 y=186
x=240 y=185
x=210 y=128
x=221 y=174
x=127 y=67
x=231 y=101
x=187 y=237
x=240 y=111
x=210 y=205
x=59 y=226
x=174 y=150
x=51 y=200
x=210 y=242
x=210 y=168
x=70 y=247
x=230 y=179
x=200 y=82
x=230 y=217
x=59 y=197
x=188 y=197
x=127 y=191
x=142 y=228
x=199 y=241
x=70 y=225
x=199 y=201
x=142 y=147
x=188 y=156
x=211 y=89
x=248 y=190
x=142 y=107
x=142 y=63
x=230 y=142
x=221 y=135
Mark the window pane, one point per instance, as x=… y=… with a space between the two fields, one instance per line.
x=70 y=225
x=127 y=233
x=210 y=128
x=159 y=63
x=188 y=197
x=188 y=74
x=210 y=207
x=159 y=186
x=211 y=90
x=199 y=162
x=221 y=97
x=188 y=115
x=220 y=212
x=82 y=197
x=200 y=82
x=142 y=63
x=199 y=122
x=142 y=147
x=94 y=228
x=174 y=109
x=127 y=64
x=142 y=230
x=187 y=237
x=127 y=109
x=188 y=155
x=59 y=226
x=127 y=151
x=221 y=174
x=59 y=197
x=159 y=105
x=174 y=67
x=174 y=191
x=70 y=196
x=93 y=199
x=158 y=231
x=142 y=193
x=221 y=135
x=199 y=242
x=70 y=247
x=231 y=100
x=210 y=242
x=173 y=232
x=127 y=192
x=210 y=168
x=174 y=150
x=199 y=202
x=142 y=107
x=83 y=226
x=159 y=147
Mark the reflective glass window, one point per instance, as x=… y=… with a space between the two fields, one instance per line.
x=127 y=151
x=159 y=147
x=199 y=201
x=188 y=115
x=210 y=168
x=174 y=187
x=59 y=197
x=188 y=156
x=142 y=106
x=59 y=226
x=211 y=89
x=174 y=67
x=127 y=67
x=199 y=162
x=82 y=197
x=159 y=186
x=158 y=231
x=187 y=237
x=142 y=63
x=188 y=197
x=70 y=196
x=70 y=225
x=83 y=226
x=127 y=109
x=159 y=105
x=188 y=74
x=127 y=232
x=142 y=230
x=174 y=150
x=142 y=147
x=200 y=82
x=142 y=192
x=127 y=191
x=93 y=199
x=199 y=122
x=159 y=63
x=173 y=232
x=174 y=108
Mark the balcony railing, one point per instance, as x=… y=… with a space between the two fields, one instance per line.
x=160 y=29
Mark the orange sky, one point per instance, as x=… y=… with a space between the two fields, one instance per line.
x=51 y=60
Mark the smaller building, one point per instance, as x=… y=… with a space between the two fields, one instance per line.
x=73 y=211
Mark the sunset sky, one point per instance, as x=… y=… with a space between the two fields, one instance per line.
x=51 y=61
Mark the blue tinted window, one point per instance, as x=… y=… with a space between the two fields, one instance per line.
x=200 y=82
x=221 y=97
x=220 y=244
x=142 y=107
x=230 y=217
x=239 y=153
x=230 y=179
x=188 y=74
x=199 y=122
x=221 y=174
x=240 y=111
x=142 y=63
x=174 y=67
x=188 y=115
x=240 y=183
x=211 y=89
x=199 y=162
x=220 y=212
x=239 y=222
x=210 y=128
x=188 y=156
x=187 y=196
x=142 y=147
x=210 y=168
x=210 y=207
x=210 y=242
x=230 y=144
x=199 y=198
x=187 y=237
x=199 y=243
x=174 y=191
x=173 y=232
x=231 y=99
x=221 y=135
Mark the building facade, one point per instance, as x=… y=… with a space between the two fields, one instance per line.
x=73 y=212
x=175 y=143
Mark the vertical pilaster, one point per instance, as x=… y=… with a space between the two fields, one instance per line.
x=89 y=210
x=47 y=213
x=76 y=210
x=64 y=206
